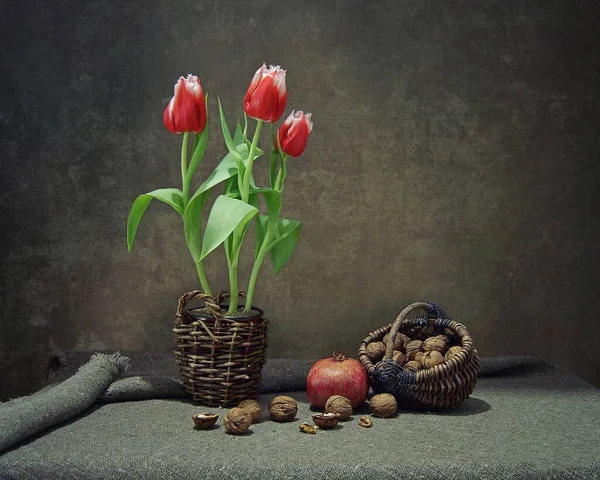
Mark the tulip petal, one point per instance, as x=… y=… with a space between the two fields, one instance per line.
x=254 y=83
x=168 y=117
x=262 y=103
x=184 y=109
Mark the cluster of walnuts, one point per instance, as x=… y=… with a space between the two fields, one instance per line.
x=237 y=420
x=417 y=349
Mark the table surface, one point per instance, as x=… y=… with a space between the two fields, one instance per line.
x=523 y=422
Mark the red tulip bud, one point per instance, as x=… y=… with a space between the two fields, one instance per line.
x=267 y=94
x=186 y=112
x=293 y=133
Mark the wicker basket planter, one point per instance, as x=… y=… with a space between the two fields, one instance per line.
x=220 y=358
x=441 y=386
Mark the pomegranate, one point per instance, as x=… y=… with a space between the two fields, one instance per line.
x=337 y=375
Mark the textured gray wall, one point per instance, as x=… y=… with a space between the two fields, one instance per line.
x=454 y=158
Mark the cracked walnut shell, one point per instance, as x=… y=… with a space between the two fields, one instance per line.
x=283 y=408
x=383 y=405
x=326 y=420
x=204 y=421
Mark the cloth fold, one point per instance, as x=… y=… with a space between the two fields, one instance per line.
x=25 y=416
x=156 y=375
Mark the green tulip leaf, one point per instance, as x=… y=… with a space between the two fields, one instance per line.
x=260 y=231
x=232 y=188
x=273 y=202
x=238 y=136
x=170 y=196
x=192 y=222
x=200 y=143
x=225 y=216
x=284 y=244
x=229 y=142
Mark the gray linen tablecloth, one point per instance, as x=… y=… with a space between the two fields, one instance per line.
x=525 y=419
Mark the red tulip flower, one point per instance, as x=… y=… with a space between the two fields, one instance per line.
x=293 y=133
x=267 y=94
x=186 y=112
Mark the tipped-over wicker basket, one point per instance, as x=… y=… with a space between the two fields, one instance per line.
x=220 y=358
x=440 y=386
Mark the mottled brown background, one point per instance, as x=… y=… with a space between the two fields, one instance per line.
x=454 y=158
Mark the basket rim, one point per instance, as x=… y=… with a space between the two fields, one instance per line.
x=237 y=318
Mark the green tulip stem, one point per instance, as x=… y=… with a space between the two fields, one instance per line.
x=233 y=287
x=202 y=277
x=278 y=183
x=272 y=157
x=251 y=153
x=260 y=258
x=186 y=181
x=184 y=166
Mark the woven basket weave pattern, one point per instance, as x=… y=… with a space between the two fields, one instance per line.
x=441 y=386
x=219 y=358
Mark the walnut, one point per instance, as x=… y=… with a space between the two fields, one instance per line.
x=399 y=358
x=412 y=366
x=414 y=345
x=431 y=359
x=383 y=405
x=204 y=421
x=453 y=352
x=365 y=421
x=237 y=420
x=326 y=420
x=283 y=408
x=400 y=341
x=375 y=350
x=253 y=408
x=340 y=405
x=415 y=355
x=438 y=344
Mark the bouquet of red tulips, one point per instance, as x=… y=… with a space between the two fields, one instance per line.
x=233 y=210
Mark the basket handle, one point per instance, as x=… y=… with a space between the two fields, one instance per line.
x=211 y=303
x=222 y=296
x=389 y=348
